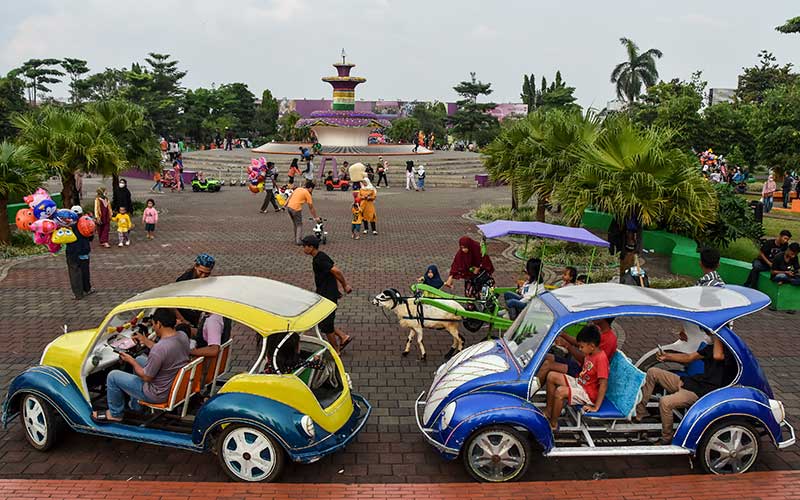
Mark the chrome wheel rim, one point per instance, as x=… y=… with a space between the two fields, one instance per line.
x=249 y=454
x=496 y=455
x=35 y=420
x=731 y=450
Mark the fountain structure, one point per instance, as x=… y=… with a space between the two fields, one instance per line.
x=341 y=130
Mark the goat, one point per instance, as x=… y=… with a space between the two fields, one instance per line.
x=415 y=317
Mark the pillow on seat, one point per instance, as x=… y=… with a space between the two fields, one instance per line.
x=625 y=383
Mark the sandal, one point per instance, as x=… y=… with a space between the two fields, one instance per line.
x=344 y=344
x=104 y=418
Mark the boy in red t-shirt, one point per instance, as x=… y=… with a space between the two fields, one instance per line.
x=588 y=388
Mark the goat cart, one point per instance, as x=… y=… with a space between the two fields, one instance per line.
x=483 y=306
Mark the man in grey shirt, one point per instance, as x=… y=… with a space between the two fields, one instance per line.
x=152 y=375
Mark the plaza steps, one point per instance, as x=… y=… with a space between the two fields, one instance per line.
x=443 y=168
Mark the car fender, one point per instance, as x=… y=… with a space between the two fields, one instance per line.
x=281 y=421
x=734 y=401
x=53 y=385
x=479 y=409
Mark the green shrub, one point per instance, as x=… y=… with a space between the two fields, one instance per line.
x=489 y=213
x=742 y=249
x=564 y=253
x=671 y=282
x=21 y=244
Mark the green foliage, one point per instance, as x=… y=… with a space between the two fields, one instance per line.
x=19 y=175
x=432 y=117
x=727 y=130
x=68 y=140
x=12 y=101
x=131 y=130
x=265 y=122
x=157 y=89
x=776 y=127
x=564 y=253
x=37 y=75
x=556 y=96
x=671 y=282
x=791 y=26
x=107 y=84
x=20 y=245
x=734 y=220
x=756 y=81
x=472 y=121
x=287 y=130
x=674 y=105
x=74 y=68
x=632 y=173
x=489 y=213
x=403 y=129
x=640 y=69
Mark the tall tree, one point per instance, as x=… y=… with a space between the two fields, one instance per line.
x=69 y=141
x=556 y=96
x=634 y=175
x=403 y=129
x=288 y=131
x=765 y=75
x=639 y=70
x=791 y=26
x=432 y=117
x=674 y=105
x=12 y=101
x=157 y=89
x=265 y=122
x=472 y=120
x=37 y=75
x=238 y=103
x=776 y=128
x=107 y=84
x=75 y=68
x=19 y=175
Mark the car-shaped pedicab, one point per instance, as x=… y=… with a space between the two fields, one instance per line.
x=482 y=405
x=253 y=420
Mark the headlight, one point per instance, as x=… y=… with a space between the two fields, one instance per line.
x=308 y=426
x=777 y=410
x=447 y=415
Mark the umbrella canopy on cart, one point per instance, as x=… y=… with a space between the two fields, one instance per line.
x=501 y=228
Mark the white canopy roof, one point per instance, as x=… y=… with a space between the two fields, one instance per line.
x=694 y=299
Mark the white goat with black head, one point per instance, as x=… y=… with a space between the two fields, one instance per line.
x=415 y=317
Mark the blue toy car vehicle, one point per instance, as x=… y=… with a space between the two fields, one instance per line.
x=483 y=404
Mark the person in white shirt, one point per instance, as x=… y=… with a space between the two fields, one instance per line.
x=516 y=302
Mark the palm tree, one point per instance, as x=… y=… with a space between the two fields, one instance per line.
x=633 y=175
x=19 y=174
x=132 y=130
x=68 y=141
x=502 y=156
x=639 y=69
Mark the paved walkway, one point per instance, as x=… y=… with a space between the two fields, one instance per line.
x=416 y=229
x=756 y=485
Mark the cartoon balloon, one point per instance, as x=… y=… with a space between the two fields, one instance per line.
x=37 y=196
x=43 y=226
x=65 y=217
x=64 y=235
x=41 y=238
x=24 y=219
x=44 y=209
x=53 y=247
x=86 y=226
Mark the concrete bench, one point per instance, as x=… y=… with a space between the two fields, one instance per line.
x=785 y=297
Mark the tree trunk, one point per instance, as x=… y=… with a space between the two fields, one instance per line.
x=67 y=188
x=514 y=202
x=541 y=208
x=5 y=234
x=628 y=257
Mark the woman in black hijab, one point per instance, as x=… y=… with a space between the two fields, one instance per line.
x=122 y=197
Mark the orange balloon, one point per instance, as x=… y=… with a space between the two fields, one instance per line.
x=253 y=189
x=24 y=219
x=86 y=226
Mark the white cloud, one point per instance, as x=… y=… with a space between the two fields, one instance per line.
x=484 y=32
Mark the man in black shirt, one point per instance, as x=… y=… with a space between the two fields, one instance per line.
x=203 y=265
x=768 y=252
x=327 y=278
x=787 y=189
x=682 y=392
x=77 y=254
x=785 y=266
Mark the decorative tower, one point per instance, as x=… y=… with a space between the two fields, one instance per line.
x=344 y=86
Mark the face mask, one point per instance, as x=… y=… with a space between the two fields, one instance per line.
x=121 y=185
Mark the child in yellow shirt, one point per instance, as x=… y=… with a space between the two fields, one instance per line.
x=357 y=219
x=123 y=221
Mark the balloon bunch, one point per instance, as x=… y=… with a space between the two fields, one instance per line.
x=50 y=225
x=256 y=175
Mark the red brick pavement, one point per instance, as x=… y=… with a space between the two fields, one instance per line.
x=416 y=229
x=761 y=485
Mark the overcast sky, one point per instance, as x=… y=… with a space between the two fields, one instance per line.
x=407 y=49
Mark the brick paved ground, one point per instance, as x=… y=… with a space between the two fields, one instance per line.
x=760 y=485
x=416 y=229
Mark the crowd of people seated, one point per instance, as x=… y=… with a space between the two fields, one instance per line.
x=779 y=257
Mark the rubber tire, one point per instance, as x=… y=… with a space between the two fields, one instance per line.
x=701 y=449
x=52 y=422
x=522 y=438
x=345 y=187
x=195 y=189
x=280 y=455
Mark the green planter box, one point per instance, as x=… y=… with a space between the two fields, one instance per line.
x=599 y=221
x=784 y=297
x=13 y=208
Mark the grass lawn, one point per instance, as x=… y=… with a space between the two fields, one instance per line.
x=747 y=251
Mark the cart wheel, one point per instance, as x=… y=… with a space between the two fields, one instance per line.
x=195 y=189
x=41 y=422
x=249 y=454
x=729 y=448
x=497 y=454
x=345 y=187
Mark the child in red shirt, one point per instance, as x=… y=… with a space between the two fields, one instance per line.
x=588 y=388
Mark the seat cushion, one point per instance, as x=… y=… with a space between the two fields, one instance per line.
x=607 y=411
x=624 y=384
